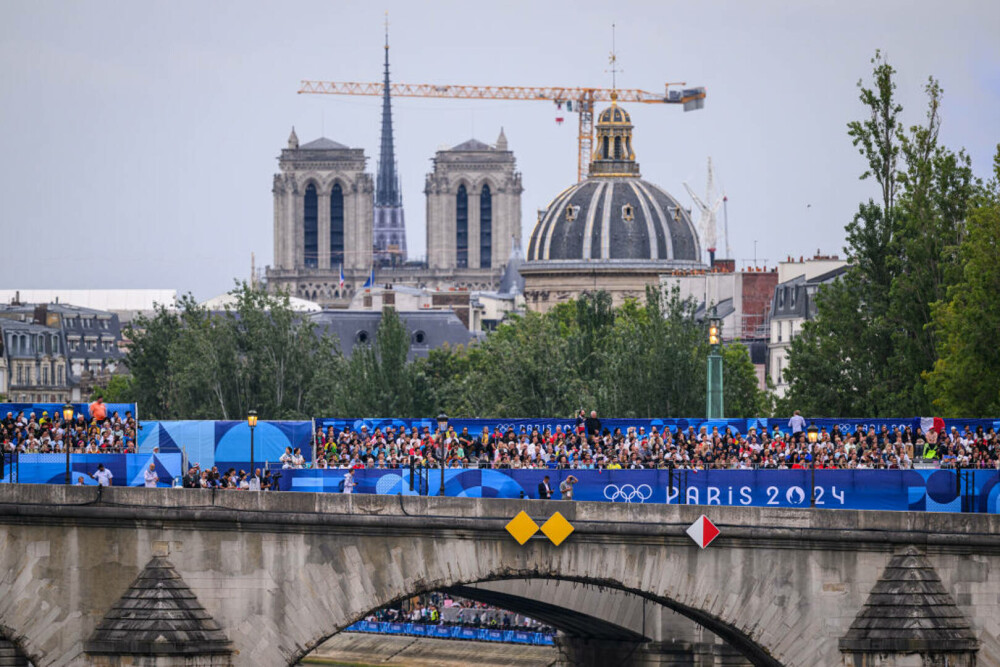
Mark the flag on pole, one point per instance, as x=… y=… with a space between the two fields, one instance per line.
x=371 y=279
x=341 y=275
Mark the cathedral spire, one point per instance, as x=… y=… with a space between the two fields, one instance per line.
x=387 y=188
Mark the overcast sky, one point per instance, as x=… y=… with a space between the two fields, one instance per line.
x=139 y=138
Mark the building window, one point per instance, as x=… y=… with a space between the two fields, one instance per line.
x=45 y=374
x=59 y=375
x=777 y=375
x=795 y=292
x=781 y=330
x=104 y=324
x=628 y=214
x=571 y=212
x=462 y=228
x=618 y=148
x=486 y=228
x=91 y=345
x=336 y=225
x=310 y=223
x=20 y=374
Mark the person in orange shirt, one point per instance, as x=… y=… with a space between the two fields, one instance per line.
x=98 y=411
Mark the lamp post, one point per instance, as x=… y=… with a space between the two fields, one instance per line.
x=68 y=416
x=714 y=408
x=252 y=423
x=813 y=434
x=442 y=420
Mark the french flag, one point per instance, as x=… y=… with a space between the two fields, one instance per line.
x=928 y=423
x=341 y=276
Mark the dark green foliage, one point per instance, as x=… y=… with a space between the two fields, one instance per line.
x=636 y=360
x=965 y=380
x=869 y=350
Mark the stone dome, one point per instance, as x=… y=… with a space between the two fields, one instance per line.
x=614 y=115
x=620 y=218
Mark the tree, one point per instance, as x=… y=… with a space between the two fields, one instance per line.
x=258 y=354
x=869 y=347
x=965 y=379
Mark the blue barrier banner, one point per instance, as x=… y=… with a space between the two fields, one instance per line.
x=475 y=426
x=57 y=408
x=446 y=631
x=126 y=469
x=737 y=426
x=226 y=444
x=929 y=490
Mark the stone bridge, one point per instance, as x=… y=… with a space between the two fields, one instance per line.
x=189 y=577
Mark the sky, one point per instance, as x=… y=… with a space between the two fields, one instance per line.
x=139 y=139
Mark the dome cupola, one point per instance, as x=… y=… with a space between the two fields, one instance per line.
x=612 y=154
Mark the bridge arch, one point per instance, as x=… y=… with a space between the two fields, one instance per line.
x=573 y=623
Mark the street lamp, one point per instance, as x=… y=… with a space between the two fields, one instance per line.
x=252 y=423
x=442 y=420
x=714 y=408
x=813 y=434
x=68 y=417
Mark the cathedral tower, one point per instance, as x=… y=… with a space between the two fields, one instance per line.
x=389 y=228
x=322 y=220
x=473 y=207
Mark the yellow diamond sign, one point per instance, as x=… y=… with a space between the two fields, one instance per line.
x=522 y=527
x=557 y=528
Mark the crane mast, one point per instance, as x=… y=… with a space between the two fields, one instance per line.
x=577 y=99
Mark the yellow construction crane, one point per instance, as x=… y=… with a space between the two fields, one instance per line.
x=580 y=100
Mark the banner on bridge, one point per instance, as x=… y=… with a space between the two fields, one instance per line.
x=929 y=490
x=226 y=444
x=126 y=469
x=741 y=426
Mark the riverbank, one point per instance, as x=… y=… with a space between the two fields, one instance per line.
x=353 y=649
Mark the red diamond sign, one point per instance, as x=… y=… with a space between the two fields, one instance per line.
x=703 y=531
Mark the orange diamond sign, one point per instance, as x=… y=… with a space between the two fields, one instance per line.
x=557 y=528
x=521 y=527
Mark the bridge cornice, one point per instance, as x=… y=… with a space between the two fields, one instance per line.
x=485 y=519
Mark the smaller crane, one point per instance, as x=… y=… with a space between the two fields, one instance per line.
x=709 y=206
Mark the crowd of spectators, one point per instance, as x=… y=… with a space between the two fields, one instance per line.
x=438 y=608
x=589 y=445
x=50 y=433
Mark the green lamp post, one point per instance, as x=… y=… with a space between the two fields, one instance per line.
x=714 y=408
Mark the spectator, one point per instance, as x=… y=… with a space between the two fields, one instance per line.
x=544 y=490
x=98 y=411
x=797 y=423
x=566 y=487
x=150 y=477
x=593 y=424
x=102 y=475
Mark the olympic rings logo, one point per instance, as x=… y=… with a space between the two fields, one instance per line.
x=627 y=493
